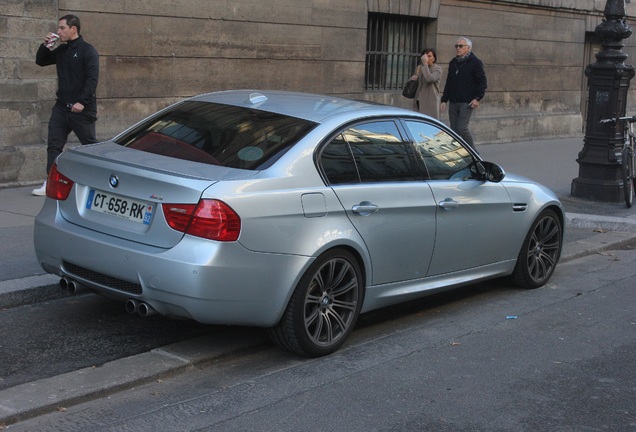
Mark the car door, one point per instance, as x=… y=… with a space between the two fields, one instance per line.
x=376 y=176
x=474 y=217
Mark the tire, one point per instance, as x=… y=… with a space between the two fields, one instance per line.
x=540 y=252
x=627 y=156
x=324 y=307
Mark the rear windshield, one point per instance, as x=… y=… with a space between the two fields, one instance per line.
x=218 y=135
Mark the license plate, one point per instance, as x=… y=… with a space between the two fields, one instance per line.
x=126 y=208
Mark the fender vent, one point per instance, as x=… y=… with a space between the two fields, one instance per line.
x=519 y=207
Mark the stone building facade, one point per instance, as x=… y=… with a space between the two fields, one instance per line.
x=155 y=52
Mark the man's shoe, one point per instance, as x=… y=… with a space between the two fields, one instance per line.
x=41 y=191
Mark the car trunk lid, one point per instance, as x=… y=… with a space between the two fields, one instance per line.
x=120 y=191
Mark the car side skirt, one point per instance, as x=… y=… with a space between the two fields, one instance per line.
x=380 y=296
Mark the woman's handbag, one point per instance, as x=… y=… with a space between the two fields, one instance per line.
x=410 y=89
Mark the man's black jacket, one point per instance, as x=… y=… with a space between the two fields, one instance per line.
x=77 y=72
x=465 y=80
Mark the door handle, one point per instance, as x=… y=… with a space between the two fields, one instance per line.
x=448 y=204
x=365 y=208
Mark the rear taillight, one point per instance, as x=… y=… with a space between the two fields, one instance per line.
x=210 y=219
x=58 y=186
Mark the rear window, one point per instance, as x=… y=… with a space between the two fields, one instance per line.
x=218 y=134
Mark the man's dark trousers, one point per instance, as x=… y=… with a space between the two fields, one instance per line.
x=459 y=114
x=61 y=124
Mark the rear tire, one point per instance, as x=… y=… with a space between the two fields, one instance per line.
x=324 y=307
x=627 y=156
x=540 y=252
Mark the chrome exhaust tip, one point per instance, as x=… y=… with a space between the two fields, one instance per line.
x=63 y=283
x=146 y=310
x=132 y=306
x=72 y=286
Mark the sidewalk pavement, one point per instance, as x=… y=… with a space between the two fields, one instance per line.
x=591 y=227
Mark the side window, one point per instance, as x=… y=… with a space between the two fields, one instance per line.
x=442 y=154
x=370 y=152
x=381 y=154
x=337 y=162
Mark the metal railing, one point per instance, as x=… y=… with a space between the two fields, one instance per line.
x=394 y=45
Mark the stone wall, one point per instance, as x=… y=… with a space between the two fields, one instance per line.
x=154 y=52
x=534 y=65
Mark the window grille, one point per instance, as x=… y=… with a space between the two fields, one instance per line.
x=394 y=46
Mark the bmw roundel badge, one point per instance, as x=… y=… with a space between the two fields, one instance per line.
x=113 y=180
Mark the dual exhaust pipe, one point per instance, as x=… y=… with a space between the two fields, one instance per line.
x=141 y=308
x=69 y=285
x=132 y=306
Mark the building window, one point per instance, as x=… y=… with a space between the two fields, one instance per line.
x=394 y=45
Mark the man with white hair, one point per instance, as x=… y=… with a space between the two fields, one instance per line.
x=465 y=87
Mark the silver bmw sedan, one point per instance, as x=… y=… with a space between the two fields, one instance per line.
x=289 y=211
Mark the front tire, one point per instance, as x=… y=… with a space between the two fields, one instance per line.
x=627 y=156
x=540 y=251
x=324 y=307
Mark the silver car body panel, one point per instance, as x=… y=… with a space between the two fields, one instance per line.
x=312 y=107
x=397 y=223
x=481 y=208
x=216 y=287
x=142 y=176
x=288 y=218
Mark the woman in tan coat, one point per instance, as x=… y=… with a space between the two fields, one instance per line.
x=429 y=73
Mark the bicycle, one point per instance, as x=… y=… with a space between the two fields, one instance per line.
x=628 y=154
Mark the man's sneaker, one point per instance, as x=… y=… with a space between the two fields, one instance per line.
x=41 y=191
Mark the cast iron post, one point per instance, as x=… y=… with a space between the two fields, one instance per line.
x=600 y=176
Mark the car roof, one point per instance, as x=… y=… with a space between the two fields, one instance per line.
x=313 y=107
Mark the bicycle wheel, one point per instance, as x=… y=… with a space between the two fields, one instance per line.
x=627 y=156
x=632 y=170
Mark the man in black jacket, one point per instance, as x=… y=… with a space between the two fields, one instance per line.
x=465 y=87
x=75 y=109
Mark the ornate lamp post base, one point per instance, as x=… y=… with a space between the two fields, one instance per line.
x=600 y=176
x=594 y=190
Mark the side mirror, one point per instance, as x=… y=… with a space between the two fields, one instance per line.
x=487 y=171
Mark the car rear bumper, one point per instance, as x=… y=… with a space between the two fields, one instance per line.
x=210 y=282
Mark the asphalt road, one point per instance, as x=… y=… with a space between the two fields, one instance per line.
x=489 y=358
x=63 y=335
